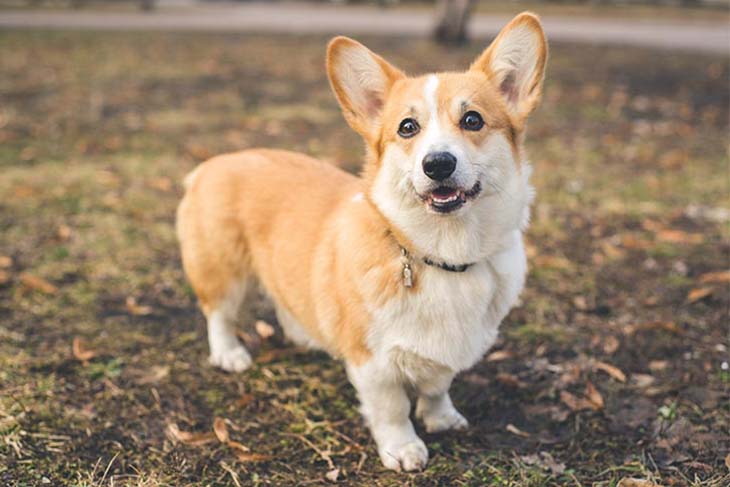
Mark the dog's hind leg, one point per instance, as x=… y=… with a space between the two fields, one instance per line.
x=226 y=350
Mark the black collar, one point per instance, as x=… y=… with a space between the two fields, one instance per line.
x=447 y=267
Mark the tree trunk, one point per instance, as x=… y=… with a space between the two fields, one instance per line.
x=453 y=16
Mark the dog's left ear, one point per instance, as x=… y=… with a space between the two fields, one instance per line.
x=361 y=81
x=515 y=63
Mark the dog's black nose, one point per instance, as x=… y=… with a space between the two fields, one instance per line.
x=439 y=165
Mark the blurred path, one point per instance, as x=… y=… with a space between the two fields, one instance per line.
x=297 y=18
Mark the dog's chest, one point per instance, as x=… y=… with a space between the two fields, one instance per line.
x=451 y=318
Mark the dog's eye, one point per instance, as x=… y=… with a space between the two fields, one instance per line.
x=472 y=121
x=408 y=128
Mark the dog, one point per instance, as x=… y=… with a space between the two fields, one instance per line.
x=404 y=272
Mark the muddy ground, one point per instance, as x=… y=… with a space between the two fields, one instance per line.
x=615 y=364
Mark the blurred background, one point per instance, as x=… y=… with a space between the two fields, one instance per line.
x=614 y=367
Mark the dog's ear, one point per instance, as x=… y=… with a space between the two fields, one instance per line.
x=515 y=63
x=361 y=80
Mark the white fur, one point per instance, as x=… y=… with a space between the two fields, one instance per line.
x=226 y=351
x=420 y=340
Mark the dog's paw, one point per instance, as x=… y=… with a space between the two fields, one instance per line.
x=236 y=359
x=448 y=420
x=409 y=457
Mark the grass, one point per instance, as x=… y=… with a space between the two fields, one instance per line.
x=96 y=134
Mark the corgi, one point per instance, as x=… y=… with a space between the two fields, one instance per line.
x=404 y=272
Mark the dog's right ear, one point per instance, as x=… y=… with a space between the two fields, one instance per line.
x=361 y=81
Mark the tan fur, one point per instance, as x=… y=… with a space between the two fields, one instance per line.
x=294 y=222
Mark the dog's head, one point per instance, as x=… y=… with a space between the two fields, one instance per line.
x=445 y=148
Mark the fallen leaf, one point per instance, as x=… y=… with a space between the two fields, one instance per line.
x=611 y=370
x=510 y=380
x=610 y=345
x=499 y=355
x=79 y=352
x=252 y=457
x=37 y=284
x=63 y=232
x=719 y=276
x=221 y=430
x=4 y=277
x=679 y=237
x=5 y=262
x=238 y=446
x=574 y=402
x=156 y=374
x=642 y=380
x=192 y=439
x=699 y=293
x=632 y=482
x=332 y=475
x=137 y=309
x=553 y=262
x=580 y=303
x=658 y=365
x=264 y=329
x=727 y=461
x=594 y=396
x=245 y=400
x=545 y=461
x=163 y=184
x=516 y=431
x=653 y=325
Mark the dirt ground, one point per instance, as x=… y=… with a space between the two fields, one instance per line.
x=615 y=365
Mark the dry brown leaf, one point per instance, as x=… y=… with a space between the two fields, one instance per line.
x=516 y=431
x=264 y=329
x=245 y=400
x=679 y=237
x=574 y=402
x=653 y=325
x=553 y=262
x=727 y=461
x=332 y=475
x=137 y=309
x=155 y=374
x=63 y=232
x=163 y=184
x=192 y=439
x=699 y=293
x=5 y=262
x=642 y=380
x=4 y=278
x=238 y=446
x=37 y=283
x=510 y=380
x=221 y=430
x=594 y=396
x=658 y=365
x=79 y=352
x=632 y=482
x=610 y=345
x=611 y=370
x=580 y=303
x=499 y=355
x=719 y=276
x=252 y=457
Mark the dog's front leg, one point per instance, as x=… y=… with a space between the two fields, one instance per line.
x=386 y=408
x=434 y=406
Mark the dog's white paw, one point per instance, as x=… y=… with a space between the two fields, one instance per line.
x=448 y=420
x=236 y=359
x=409 y=457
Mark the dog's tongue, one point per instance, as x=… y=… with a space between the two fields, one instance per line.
x=443 y=192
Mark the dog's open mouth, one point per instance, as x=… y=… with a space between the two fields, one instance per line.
x=445 y=199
